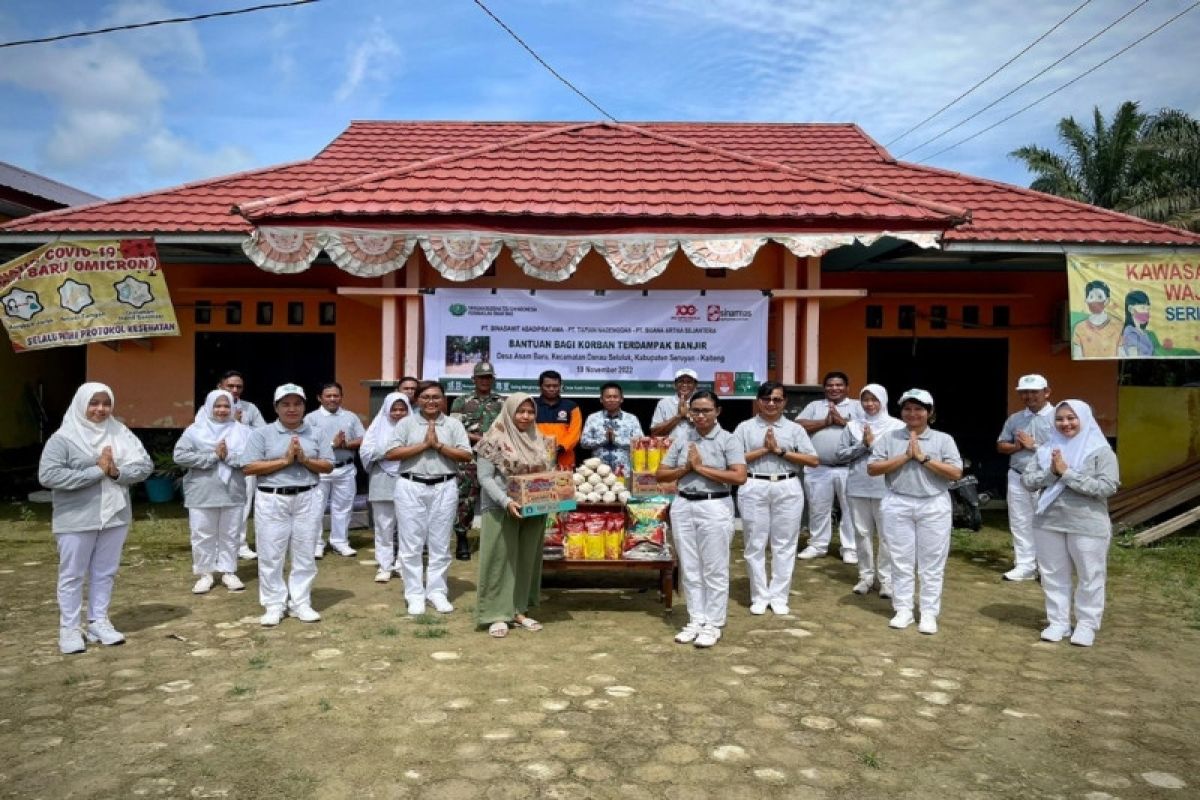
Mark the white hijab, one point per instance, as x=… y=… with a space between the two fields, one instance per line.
x=379 y=433
x=94 y=437
x=880 y=423
x=1074 y=449
x=208 y=432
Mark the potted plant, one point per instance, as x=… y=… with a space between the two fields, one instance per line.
x=166 y=478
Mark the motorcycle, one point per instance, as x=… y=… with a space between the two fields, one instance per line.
x=966 y=498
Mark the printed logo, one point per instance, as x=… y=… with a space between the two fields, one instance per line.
x=21 y=304
x=562 y=416
x=714 y=313
x=458 y=309
x=685 y=312
x=74 y=296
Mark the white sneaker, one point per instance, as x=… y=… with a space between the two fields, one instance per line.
x=809 y=553
x=304 y=613
x=928 y=624
x=416 y=607
x=864 y=586
x=849 y=556
x=232 y=582
x=708 y=636
x=902 y=620
x=780 y=608
x=70 y=640
x=1055 y=633
x=441 y=604
x=245 y=553
x=272 y=617
x=758 y=607
x=383 y=576
x=319 y=552
x=343 y=550
x=103 y=632
x=203 y=585
x=1021 y=574
x=688 y=634
x=1083 y=636
x=885 y=591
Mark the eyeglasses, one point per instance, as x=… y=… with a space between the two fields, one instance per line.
x=772 y=399
x=430 y=398
x=702 y=412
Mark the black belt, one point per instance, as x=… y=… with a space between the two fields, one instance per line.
x=703 y=495
x=337 y=464
x=427 y=480
x=284 y=489
x=778 y=476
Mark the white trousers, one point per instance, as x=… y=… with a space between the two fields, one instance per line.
x=866 y=517
x=283 y=525
x=425 y=519
x=822 y=484
x=91 y=556
x=702 y=530
x=917 y=531
x=1058 y=556
x=770 y=516
x=337 y=495
x=1021 y=505
x=251 y=486
x=384 y=516
x=214 y=539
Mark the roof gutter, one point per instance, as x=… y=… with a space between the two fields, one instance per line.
x=91 y=236
x=1062 y=248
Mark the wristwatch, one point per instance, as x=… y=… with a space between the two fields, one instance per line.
x=926 y=459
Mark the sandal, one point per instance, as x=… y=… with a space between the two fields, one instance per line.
x=498 y=630
x=529 y=624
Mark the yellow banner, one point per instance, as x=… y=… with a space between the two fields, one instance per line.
x=1136 y=306
x=68 y=293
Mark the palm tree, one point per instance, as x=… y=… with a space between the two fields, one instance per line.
x=1145 y=165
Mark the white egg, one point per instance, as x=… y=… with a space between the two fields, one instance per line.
x=608 y=497
x=594 y=497
x=596 y=480
x=592 y=463
x=578 y=479
x=603 y=470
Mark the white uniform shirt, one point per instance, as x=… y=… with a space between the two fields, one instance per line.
x=1039 y=425
x=826 y=440
x=271 y=443
x=913 y=478
x=429 y=463
x=328 y=426
x=788 y=435
x=667 y=409
x=720 y=450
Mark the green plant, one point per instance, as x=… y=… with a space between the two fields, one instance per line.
x=324 y=705
x=238 y=691
x=258 y=661
x=390 y=630
x=26 y=513
x=430 y=633
x=165 y=466
x=871 y=760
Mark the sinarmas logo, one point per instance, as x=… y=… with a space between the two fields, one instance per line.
x=458 y=309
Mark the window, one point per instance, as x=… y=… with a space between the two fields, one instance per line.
x=875 y=317
x=295 y=313
x=327 y=314
x=265 y=313
x=907 y=319
x=233 y=312
x=970 y=316
x=203 y=312
x=1000 y=317
x=937 y=318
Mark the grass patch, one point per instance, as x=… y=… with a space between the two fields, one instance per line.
x=427 y=619
x=258 y=661
x=71 y=680
x=240 y=691
x=390 y=630
x=430 y=633
x=870 y=759
x=324 y=705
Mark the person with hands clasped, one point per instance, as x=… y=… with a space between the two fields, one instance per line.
x=1023 y=432
x=1076 y=471
x=345 y=432
x=89 y=463
x=705 y=461
x=671 y=413
x=823 y=420
x=381 y=490
x=918 y=465
x=429 y=446
x=510 y=546
x=866 y=492
x=773 y=499
x=287 y=456
x=214 y=490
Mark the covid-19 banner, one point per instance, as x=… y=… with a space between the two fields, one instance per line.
x=626 y=336
x=68 y=293
x=1135 y=306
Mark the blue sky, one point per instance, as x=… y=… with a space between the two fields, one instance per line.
x=141 y=110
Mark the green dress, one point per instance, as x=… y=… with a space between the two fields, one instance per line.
x=510 y=554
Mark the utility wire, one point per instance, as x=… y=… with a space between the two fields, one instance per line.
x=1025 y=83
x=993 y=74
x=152 y=23
x=542 y=61
x=1076 y=79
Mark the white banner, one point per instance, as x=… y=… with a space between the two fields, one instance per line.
x=639 y=340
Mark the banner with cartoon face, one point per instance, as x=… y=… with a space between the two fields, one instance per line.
x=69 y=293
x=1134 y=306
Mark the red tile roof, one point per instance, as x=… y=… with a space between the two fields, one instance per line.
x=725 y=174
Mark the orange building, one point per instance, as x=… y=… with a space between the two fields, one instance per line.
x=893 y=272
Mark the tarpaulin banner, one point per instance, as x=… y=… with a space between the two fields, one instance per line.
x=1134 y=306
x=68 y=293
x=638 y=340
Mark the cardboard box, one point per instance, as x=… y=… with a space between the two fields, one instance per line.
x=645 y=484
x=542 y=492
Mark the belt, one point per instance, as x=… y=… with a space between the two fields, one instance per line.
x=703 y=495
x=284 y=489
x=337 y=464
x=778 y=476
x=428 y=480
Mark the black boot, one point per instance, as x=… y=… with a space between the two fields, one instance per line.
x=463 y=550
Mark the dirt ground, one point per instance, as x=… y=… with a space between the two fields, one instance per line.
x=828 y=703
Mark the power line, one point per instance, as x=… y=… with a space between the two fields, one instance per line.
x=542 y=61
x=1025 y=83
x=1076 y=79
x=152 y=23
x=993 y=74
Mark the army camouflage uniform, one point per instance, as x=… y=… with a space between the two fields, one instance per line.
x=477 y=415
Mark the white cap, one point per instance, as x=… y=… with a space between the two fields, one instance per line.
x=920 y=395
x=686 y=373
x=1033 y=383
x=286 y=389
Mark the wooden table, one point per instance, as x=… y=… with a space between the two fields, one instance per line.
x=665 y=567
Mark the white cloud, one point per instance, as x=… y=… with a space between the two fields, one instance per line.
x=375 y=59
